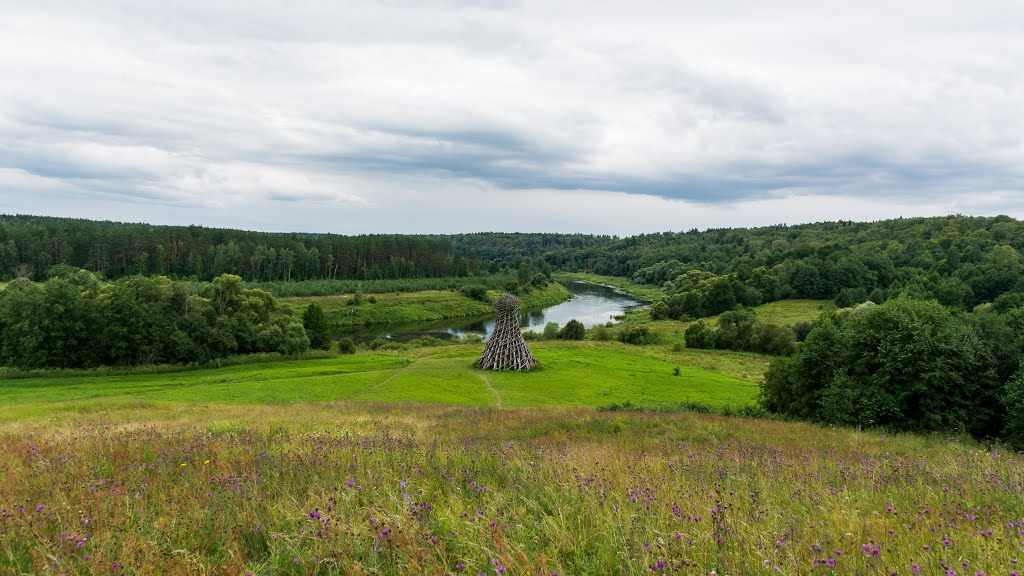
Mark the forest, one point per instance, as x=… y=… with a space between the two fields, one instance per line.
x=31 y=245
x=958 y=260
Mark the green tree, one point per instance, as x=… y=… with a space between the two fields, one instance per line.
x=659 y=310
x=1013 y=400
x=699 y=335
x=573 y=330
x=317 y=326
x=551 y=331
x=907 y=365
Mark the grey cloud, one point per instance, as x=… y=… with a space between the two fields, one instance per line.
x=231 y=105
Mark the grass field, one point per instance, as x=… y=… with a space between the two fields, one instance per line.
x=569 y=376
x=425 y=306
x=175 y=487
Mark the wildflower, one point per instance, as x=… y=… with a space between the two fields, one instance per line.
x=183 y=464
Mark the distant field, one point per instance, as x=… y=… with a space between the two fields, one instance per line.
x=334 y=287
x=781 y=312
x=424 y=306
x=642 y=291
x=587 y=374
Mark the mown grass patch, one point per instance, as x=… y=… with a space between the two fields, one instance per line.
x=571 y=374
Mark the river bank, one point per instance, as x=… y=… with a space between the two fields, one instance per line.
x=425 y=306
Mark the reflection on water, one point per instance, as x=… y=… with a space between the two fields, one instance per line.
x=592 y=304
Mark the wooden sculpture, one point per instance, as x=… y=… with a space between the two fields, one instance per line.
x=507 y=350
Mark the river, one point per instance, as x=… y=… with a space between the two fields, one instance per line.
x=592 y=304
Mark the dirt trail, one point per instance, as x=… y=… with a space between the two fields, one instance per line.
x=491 y=389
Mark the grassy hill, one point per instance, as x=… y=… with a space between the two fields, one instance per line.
x=179 y=487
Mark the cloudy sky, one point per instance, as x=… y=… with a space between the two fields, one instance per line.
x=445 y=116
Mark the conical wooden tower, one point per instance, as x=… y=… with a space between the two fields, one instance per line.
x=506 y=350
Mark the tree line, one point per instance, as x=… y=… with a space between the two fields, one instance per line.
x=960 y=261
x=75 y=320
x=31 y=245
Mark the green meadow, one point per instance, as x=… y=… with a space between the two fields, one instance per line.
x=571 y=374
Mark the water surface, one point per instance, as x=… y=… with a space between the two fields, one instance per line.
x=592 y=304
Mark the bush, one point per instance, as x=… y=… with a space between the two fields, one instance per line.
x=772 y=339
x=346 y=346
x=659 y=311
x=530 y=335
x=377 y=343
x=551 y=331
x=637 y=335
x=426 y=342
x=601 y=333
x=573 y=330
x=475 y=291
x=699 y=335
x=850 y=297
x=801 y=330
x=472 y=338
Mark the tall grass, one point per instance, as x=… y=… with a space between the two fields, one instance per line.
x=365 y=489
x=141 y=370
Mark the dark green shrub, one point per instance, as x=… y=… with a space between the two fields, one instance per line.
x=573 y=330
x=346 y=346
x=850 y=297
x=637 y=335
x=772 y=339
x=699 y=335
x=659 y=310
x=475 y=291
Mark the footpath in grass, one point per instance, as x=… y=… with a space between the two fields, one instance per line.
x=584 y=374
x=356 y=488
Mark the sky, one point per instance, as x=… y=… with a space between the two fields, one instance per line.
x=437 y=116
